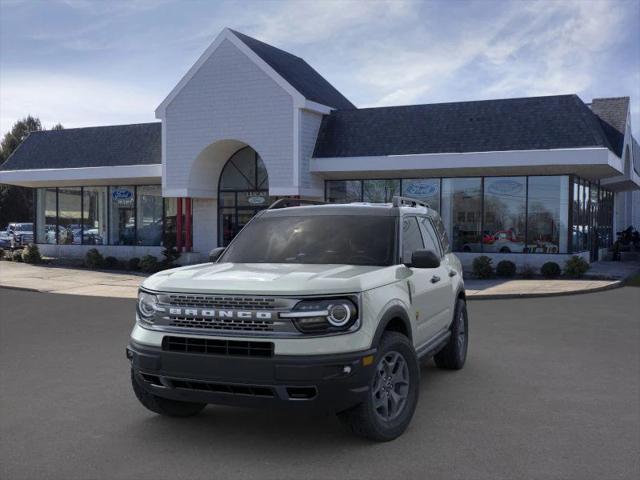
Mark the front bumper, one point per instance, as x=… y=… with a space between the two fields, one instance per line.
x=319 y=382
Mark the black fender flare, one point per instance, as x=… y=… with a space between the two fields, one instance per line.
x=395 y=311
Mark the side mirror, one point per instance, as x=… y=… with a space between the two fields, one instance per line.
x=215 y=254
x=424 y=259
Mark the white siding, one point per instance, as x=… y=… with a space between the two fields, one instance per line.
x=205 y=221
x=309 y=126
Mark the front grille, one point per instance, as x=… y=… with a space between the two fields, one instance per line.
x=218 y=347
x=222 y=302
x=253 y=390
x=222 y=324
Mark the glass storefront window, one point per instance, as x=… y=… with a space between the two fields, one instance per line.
x=69 y=216
x=380 y=191
x=424 y=189
x=505 y=213
x=94 y=225
x=462 y=212
x=46 y=215
x=170 y=218
x=548 y=208
x=344 y=191
x=122 y=219
x=149 y=215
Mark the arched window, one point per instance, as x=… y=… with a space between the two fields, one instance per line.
x=243 y=191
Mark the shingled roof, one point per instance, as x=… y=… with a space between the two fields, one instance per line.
x=612 y=113
x=108 y=146
x=532 y=123
x=298 y=73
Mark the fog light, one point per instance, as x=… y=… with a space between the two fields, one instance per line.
x=368 y=360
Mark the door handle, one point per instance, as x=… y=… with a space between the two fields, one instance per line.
x=435 y=279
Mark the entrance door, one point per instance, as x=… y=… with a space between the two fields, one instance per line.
x=243 y=192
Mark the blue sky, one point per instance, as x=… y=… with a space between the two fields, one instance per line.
x=84 y=63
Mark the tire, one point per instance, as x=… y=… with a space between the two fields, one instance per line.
x=164 y=406
x=368 y=419
x=454 y=353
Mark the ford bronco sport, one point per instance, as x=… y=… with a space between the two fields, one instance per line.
x=327 y=306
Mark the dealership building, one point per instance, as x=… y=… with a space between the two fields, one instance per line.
x=528 y=179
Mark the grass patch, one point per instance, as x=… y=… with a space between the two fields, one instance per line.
x=633 y=281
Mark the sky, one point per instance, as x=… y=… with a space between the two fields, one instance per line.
x=86 y=63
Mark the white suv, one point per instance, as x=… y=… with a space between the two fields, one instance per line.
x=319 y=306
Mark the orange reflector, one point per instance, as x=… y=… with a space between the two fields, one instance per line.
x=368 y=360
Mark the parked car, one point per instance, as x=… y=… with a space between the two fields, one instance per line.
x=18 y=235
x=326 y=307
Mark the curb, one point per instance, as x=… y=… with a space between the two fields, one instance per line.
x=24 y=289
x=507 y=296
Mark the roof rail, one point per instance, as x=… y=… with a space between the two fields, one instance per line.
x=398 y=201
x=293 y=202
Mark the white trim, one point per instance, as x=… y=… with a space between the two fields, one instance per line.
x=227 y=34
x=316 y=107
x=455 y=161
x=296 y=146
x=78 y=176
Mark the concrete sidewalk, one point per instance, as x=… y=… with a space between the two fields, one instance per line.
x=79 y=281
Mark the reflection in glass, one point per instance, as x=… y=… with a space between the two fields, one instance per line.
x=149 y=215
x=424 y=189
x=122 y=216
x=380 y=191
x=69 y=216
x=94 y=230
x=46 y=215
x=462 y=212
x=548 y=199
x=344 y=191
x=504 y=214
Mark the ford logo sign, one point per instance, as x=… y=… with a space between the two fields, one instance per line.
x=256 y=200
x=505 y=187
x=422 y=189
x=121 y=194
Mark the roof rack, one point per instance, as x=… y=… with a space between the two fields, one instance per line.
x=293 y=202
x=398 y=201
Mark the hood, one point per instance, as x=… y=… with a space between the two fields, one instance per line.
x=272 y=279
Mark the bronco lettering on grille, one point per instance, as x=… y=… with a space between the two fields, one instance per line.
x=209 y=313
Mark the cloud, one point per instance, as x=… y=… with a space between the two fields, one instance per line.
x=73 y=101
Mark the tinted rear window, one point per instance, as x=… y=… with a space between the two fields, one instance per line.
x=321 y=239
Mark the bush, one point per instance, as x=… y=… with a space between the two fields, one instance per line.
x=506 y=268
x=16 y=256
x=111 y=263
x=149 y=264
x=1 y=253
x=170 y=252
x=576 y=267
x=93 y=259
x=31 y=254
x=527 y=271
x=133 y=264
x=482 y=267
x=550 y=270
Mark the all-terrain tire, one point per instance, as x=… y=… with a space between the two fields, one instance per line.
x=454 y=354
x=364 y=420
x=164 y=406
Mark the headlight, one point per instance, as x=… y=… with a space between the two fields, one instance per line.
x=147 y=305
x=324 y=315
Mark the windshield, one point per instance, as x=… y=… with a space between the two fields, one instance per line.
x=341 y=239
x=23 y=227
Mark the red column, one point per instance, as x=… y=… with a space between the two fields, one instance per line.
x=187 y=227
x=179 y=224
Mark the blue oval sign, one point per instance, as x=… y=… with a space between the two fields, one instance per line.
x=121 y=194
x=505 y=187
x=422 y=189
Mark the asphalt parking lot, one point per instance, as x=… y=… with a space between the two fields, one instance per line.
x=551 y=390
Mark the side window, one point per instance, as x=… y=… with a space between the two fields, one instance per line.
x=411 y=237
x=442 y=233
x=430 y=239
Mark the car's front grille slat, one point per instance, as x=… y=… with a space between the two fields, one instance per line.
x=222 y=302
x=218 y=346
x=234 y=389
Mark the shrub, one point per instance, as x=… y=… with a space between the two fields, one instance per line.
x=482 y=267
x=170 y=252
x=550 y=270
x=506 y=268
x=149 y=264
x=527 y=271
x=16 y=256
x=576 y=267
x=93 y=259
x=1 y=253
x=31 y=254
x=111 y=263
x=133 y=264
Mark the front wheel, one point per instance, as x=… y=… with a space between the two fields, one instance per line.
x=454 y=353
x=393 y=392
x=164 y=406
